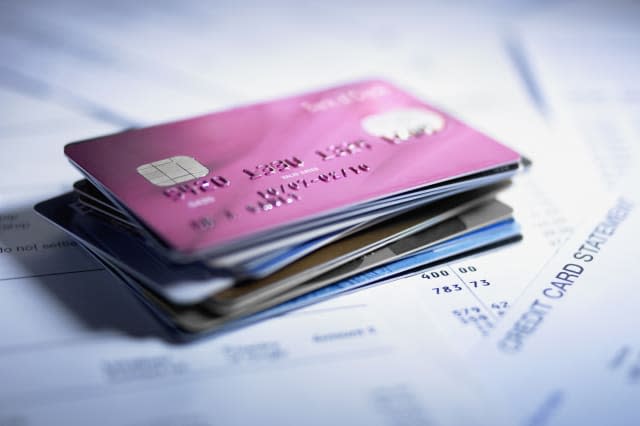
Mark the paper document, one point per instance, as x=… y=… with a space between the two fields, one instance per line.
x=577 y=324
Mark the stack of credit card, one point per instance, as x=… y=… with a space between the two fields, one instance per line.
x=228 y=218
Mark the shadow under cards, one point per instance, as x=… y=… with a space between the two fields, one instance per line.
x=34 y=250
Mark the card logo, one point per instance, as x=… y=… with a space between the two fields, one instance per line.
x=403 y=123
x=171 y=171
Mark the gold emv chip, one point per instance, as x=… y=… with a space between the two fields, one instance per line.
x=171 y=171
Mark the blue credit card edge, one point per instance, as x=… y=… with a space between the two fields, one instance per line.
x=503 y=231
x=464 y=243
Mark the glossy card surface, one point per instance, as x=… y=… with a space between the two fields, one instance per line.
x=204 y=182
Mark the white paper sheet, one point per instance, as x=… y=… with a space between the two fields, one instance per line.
x=567 y=353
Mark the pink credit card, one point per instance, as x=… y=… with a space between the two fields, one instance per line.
x=206 y=182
